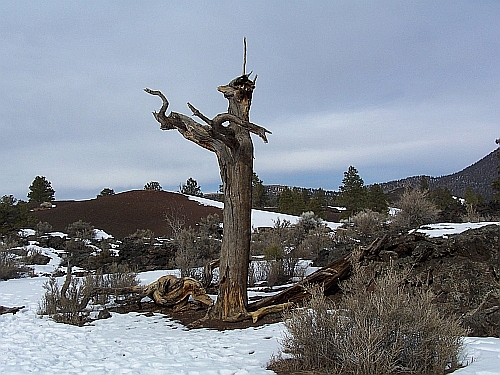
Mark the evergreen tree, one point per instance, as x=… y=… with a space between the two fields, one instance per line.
x=424 y=183
x=353 y=193
x=153 y=185
x=470 y=197
x=259 y=196
x=14 y=215
x=317 y=203
x=377 y=200
x=41 y=191
x=442 y=198
x=300 y=198
x=106 y=191
x=285 y=201
x=191 y=188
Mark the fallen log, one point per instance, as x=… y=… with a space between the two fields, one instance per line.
x=10 y=310
x=328 y=276
x=167 y=291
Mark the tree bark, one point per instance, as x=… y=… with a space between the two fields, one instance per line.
x=234 y=149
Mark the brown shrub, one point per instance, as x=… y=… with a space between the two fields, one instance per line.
x=379 y=327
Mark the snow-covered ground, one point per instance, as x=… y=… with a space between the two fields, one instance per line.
x=445 y=229
x=135 y=344
x=261 y=218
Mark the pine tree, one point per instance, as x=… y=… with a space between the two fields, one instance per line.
x=353 y=193
x=424 y=183
x=40 y=191
x=191 y=187
x=317 y=203
x=153 y=185
x=470 y=197
x=259 y=196
x=285 y=201
x=377 y=200
x=14 y=215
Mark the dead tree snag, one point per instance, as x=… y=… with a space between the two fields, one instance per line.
x=228 y=136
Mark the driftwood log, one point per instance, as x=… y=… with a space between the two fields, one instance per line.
x=10 y=310
x=167 y=291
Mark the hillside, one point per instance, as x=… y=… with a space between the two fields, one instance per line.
x=122 y=214
x=478 y=176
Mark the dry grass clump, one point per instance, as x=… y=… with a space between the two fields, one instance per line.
x=10 y=265
x=379 y=327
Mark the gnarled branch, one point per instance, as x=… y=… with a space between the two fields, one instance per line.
x=203 y=135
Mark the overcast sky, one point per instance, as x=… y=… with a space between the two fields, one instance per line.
x=393 y=88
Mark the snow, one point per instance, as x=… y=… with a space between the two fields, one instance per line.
x=260 y=218
x=99 y=234
x=445 y=229
x=135 y=344
x=124 y=344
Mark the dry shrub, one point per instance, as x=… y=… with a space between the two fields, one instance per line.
x=379 y=327
x=416 y=210
x=65 y=304
x=118 y=276
x=368 y=223
x=68 y=303
x=10 y=265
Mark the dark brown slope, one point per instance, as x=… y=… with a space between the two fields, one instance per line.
x=122 y=214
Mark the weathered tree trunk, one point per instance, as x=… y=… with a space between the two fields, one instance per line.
x=236 y=168
x=234 y=149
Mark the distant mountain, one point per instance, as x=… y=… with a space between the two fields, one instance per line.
x=478 y=176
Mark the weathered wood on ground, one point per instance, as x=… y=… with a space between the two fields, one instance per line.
x=10 y=310
x=328 y=277
x=167 y=291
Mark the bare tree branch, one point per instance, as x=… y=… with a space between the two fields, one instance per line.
x=203 y=135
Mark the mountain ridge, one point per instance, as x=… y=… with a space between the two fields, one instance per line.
x=478 y=177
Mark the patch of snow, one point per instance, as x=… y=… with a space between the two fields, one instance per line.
x=24 y=233
x=205 y=201
x=446 y=229
x=101 y=235
x=58 y=234
x=260 y=218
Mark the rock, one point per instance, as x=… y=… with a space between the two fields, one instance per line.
x=463 y=271
x=104 y=314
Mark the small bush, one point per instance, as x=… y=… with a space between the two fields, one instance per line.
x=65 y=304
x=42 y=228
x=117 y=276
x=10 y=267
x=379 y=327
x=368 y=223
x=81 y=230
x=68 y=304
x=416 y=210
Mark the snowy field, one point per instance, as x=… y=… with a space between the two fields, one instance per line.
x=135 y=344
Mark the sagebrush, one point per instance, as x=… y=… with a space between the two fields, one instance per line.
x=380 y=326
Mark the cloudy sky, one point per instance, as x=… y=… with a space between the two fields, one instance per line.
x=394 y=88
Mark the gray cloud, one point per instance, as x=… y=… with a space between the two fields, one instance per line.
x=393 y=88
